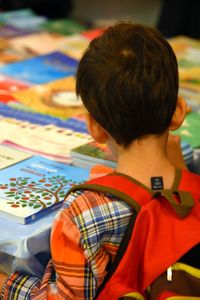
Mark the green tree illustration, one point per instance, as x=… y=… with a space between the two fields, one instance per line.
x=24 y=192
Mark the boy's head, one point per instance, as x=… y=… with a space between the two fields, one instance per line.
x=128 y=81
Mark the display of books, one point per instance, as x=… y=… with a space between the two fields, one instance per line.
x=34 y=187
x=91 y=154
x=42 y=68
x=10 y=156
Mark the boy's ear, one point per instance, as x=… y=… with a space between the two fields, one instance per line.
x=97 y=132
x=179 y=114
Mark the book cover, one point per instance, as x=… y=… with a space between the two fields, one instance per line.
x=63 y=26
x=10 y=31
x=10 y=156
x=36 y=186
x=56 y=98
x=74 y=45
x=32 y=22
x=91 y=154
x=37 y=43
x=189 y=130
x=15 y=14
x=187 y=51
x=9 y=85
x=49 y=141
x=42 y=68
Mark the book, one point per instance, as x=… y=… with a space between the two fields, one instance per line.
x=37 y=43
x=15 y=14
x=42 y=68
x=187 y=51
x=49 y=141
x=63 y=26
x=10 y=156
x=35 y=187
x=75 y=123
x=56 y=98
x=10 y=31
x=9 y=85
x=74 y=45
x=32 y=22
x=189 y=130
x=91 y=154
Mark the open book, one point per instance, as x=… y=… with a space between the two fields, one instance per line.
x=34 y=187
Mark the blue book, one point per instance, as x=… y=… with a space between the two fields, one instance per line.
x=32 y=188
x=42 y=68
x=15 y=14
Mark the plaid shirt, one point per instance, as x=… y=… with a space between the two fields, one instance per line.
x=85 y=237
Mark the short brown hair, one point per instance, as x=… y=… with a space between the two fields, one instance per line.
x=128 y=81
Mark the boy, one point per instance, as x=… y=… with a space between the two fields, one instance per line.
x=128 y=82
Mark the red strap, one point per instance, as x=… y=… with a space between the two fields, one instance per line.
x=123 y=184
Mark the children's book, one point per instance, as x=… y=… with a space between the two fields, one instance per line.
x=9 y=85
x=56 y=98
x=75 y=123
x=42 y=68
x=74 y=45
x=27 y=22
x=189 y=130
x=15 y=14
x=91 y=154
x=34 y=187
x=63 y=26
x=49 y=141
x=10 y=31
x=187 y=51
x=37 y=43
x=10 y=156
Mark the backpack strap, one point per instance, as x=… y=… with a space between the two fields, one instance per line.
x=136 y=194
x=119 y=185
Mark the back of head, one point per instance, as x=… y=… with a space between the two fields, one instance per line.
x=128 y=81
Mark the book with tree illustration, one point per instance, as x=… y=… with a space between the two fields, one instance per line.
x=35 y=187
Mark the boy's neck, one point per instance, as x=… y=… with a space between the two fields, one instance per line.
x=146 y=158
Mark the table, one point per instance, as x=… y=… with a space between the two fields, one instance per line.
x=25 y=247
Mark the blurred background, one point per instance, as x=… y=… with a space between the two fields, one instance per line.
x=172 y=17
